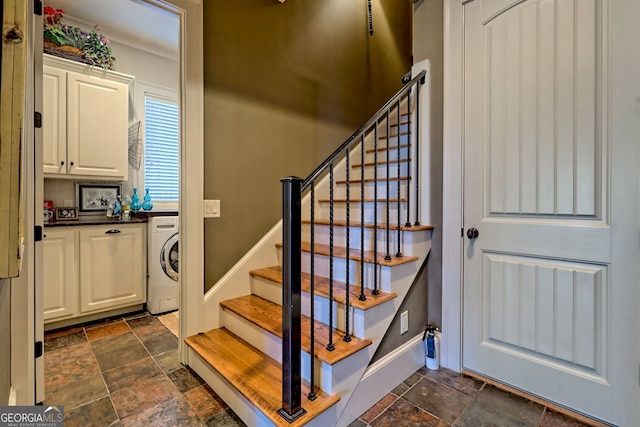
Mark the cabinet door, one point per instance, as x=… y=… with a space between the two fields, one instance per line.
x=54 y=120
x=112 y=270
x=97 y=126
x=60 y=290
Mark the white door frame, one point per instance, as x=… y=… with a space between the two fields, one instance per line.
x=23 y=316
x=191 y=208
x=453 y=178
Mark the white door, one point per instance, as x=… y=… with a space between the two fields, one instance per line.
x=547 y=292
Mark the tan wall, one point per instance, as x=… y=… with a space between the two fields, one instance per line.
x=5 y=341
x=285 y=84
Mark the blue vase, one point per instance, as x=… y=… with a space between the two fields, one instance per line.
x=146 y=204
x=135 y=201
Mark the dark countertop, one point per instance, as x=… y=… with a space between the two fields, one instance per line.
x=94 y=220
x=157 y=212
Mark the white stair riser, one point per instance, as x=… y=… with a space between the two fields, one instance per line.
x=340 y=191
x=273 y=292
x=381 y=171
x=321 y=268
x=357 y=318
x=322 y=236
x=271 y=345
x=340 y=212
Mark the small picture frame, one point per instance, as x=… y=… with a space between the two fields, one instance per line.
x=94 y=198
x=66 y=214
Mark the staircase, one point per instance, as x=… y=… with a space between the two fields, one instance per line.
x=345 y=264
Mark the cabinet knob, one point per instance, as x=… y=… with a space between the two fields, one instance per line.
x=112 y=231
x=70 y=163
x=61 y=162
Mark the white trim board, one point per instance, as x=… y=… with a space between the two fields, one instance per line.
x=451 y=344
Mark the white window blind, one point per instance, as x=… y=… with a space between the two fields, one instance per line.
x=161 y=150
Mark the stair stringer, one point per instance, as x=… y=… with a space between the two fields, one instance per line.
x=247 y=412
x=376 y=326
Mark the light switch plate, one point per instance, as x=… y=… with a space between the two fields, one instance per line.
x=212 y=208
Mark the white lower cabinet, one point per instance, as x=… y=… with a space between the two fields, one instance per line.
x=108 y=270
x=60 y=299
x=112 y=269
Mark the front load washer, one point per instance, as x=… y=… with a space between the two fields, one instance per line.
x=163 y=286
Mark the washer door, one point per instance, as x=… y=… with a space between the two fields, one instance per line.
x=169 y=257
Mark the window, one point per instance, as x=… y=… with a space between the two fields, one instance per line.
x=161 y=149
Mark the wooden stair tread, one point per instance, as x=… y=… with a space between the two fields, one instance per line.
x=354 y=254
x=403 y=200
x=395 y=135
x=268 y=316
x=322 y=288
x=342 y=223
x=355 y=181
x=255 y=375
x=391 y=147
x=380 y=163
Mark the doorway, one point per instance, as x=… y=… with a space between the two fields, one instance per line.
x=190 y=99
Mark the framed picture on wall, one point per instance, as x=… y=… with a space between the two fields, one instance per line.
x=66 y=214
x=94 y=198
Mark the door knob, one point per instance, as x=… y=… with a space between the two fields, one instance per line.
x=472 y=233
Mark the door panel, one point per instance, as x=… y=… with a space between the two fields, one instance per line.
x=537 y=304
x=518 y=320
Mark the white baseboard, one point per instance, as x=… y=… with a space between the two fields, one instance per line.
x=382 y=377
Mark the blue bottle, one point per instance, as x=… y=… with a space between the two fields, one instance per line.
x=146 y=204
x=135 y=200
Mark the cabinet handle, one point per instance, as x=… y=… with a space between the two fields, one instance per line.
x=62 y=163
x=70 y=163
x=113 y=231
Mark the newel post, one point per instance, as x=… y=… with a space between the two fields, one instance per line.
x=291 y=299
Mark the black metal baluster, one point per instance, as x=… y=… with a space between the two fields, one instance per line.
x=312 y=392
x=347 y=336
x=387 y=255
x=330 y=345
x=398 y=213
x=362 y=297
x=375 y=210
x=409 y=122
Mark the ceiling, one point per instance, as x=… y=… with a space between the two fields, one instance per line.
x=131 y=22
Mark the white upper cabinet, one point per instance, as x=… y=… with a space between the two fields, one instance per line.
x=85 y=120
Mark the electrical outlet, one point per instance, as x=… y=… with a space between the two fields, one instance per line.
x=404 y=322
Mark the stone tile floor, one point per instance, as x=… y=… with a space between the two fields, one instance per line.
x=124 y=371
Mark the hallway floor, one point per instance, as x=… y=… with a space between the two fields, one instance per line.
x=124 y=371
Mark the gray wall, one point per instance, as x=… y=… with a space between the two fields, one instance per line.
x=5 y=341
x=424 y=300
x=428 y=43
x=286 y=84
